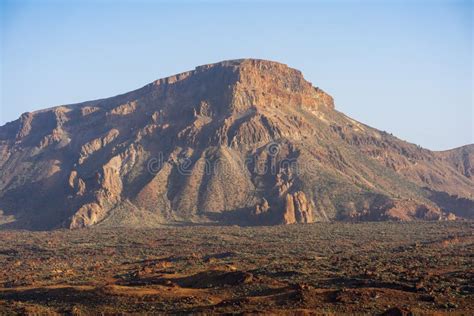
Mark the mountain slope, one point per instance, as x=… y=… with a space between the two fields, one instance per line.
x=241 y=142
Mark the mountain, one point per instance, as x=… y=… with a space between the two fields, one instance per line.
x=247 y=142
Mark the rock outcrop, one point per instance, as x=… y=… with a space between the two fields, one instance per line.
x=238 y=142
x=297 y=209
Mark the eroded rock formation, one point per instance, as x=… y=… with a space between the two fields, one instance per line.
x=237 y=142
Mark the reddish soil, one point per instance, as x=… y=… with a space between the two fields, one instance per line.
x=376 y=268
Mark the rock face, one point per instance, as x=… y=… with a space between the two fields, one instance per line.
x=237 y=142
x=297 y=209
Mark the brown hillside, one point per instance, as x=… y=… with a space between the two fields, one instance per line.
x=238 y=142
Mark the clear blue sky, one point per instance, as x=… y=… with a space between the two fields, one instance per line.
x=404 y=67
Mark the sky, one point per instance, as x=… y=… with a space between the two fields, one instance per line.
x=400 y=66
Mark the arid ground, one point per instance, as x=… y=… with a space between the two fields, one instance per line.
x=418 y=267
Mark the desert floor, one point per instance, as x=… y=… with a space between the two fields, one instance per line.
x=418 y=267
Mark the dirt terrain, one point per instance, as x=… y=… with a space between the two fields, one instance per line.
x=417 y=267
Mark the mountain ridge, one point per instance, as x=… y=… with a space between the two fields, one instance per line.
x=89 y=163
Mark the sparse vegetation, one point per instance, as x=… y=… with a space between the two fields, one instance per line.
x=420 y=267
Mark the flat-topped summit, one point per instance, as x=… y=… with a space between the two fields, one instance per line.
x=246 y=63
x=249 y=83
x=243 y=141
x=244 y=68
x=231 y=66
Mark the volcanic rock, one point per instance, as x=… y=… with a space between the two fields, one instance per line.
x=237 y=142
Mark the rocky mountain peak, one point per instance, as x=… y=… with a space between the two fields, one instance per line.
x=243 y=141
x=254 y=83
